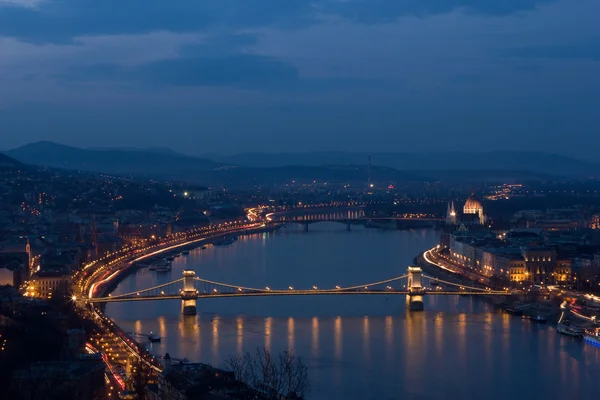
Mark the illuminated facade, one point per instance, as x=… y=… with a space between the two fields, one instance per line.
x=474 y=207
x=519 y=264
x=451 y=214
x=45 y=284
x=518 y=270
x=595 y=223
x=472 y=213
x=540 y=265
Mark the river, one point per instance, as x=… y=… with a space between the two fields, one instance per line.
x=359 y=347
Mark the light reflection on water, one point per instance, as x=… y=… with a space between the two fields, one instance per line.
x=360 y=347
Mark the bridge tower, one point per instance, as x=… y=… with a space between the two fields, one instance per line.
x=414 y=299
x=189 y=294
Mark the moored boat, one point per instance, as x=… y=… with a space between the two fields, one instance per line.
x=592 y=336
x=162 y=265
x=153 y=338
x=164 y=268
x=569 y=330
x=185 y=252
x=517 y=308
x=513 y=311
x=224 y=242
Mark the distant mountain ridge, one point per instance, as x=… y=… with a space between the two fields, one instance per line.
x=151 y=149
x=169 y=164
x=537 y=162
x=117 y=161
x=8 y=162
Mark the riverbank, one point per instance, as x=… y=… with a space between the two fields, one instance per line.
x=132 y=266
x=436 y=271
x=530 y=308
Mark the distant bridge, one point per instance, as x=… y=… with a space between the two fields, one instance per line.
x=348 y=215
x=414 y=284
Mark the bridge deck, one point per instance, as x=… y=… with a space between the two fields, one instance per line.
x=303 y=293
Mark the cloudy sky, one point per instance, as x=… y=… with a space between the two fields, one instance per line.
x=231 y=76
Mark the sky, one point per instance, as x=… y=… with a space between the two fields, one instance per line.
x=231 y=76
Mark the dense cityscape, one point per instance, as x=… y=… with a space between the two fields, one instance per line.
x=532 y=249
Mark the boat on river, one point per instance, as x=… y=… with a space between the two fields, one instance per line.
x=224 y=242
x=161 y=265
x=565 y=328
x=592 y=336
x=185 y=252
x=517 y=309
x=153 y=338
x=164 y=268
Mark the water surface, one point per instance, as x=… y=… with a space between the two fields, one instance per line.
x=359 y=347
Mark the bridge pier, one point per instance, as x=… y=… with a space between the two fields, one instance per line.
x=414 y=302
x=414 y=298
x=189 y=294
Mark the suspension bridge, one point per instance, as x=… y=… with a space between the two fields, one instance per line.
x=190 y=288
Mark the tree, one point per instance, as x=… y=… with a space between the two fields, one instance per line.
x=275 y=377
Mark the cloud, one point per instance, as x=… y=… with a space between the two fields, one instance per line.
x=240 y=70
x=18 y=58
x=377 y=11
x=21 y=3
x=351 y=67
x=61 y=20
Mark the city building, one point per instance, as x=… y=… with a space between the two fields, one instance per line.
x=519 y=257
x=451 y=214
x=474 y=207
x=44 y=284
x=472 y=213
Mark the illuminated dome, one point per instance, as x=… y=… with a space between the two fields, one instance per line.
x=473 y=206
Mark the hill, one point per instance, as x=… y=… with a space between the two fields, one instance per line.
x=536 y=162
x=325 y=166
x=347 y=174
x=114 y=161
x=8 y=162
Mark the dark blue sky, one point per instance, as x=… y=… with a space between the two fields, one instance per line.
x=294 y=75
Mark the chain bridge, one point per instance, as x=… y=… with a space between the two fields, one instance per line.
x=190 y=288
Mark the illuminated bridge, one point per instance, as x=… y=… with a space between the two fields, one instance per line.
x=347 y=215
x=414 y=285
